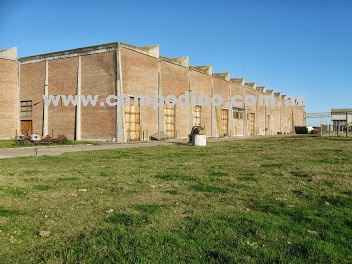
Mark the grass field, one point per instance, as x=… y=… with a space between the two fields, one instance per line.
x=11 y=144
x=283 y=200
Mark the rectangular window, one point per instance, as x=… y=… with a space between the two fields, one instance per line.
x=26 y=108
x=237 y=115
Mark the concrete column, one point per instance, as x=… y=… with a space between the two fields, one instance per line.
x=245 y=127
x=120 y=112
x=214 y=128
x=346 y=124
x=161 y=123
x=293 y=124
x=329 y=130
x=280 y=108
x=190 y=108
x=267 y=127
x=275 y=123
x=78 y=107
x=19 y=99
x=45 y=107
x=231 y=124
x=256 y=124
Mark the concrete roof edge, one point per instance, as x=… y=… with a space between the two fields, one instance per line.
x=222 y=75
x=251 y=85
x=71 y=52
x=277 y=94
x=181 y=61
x=239 y=81
x=261 y=89
x=9 y=54
x=153 y=50
x=148 y=50
x=341 y=110
x=208 y=69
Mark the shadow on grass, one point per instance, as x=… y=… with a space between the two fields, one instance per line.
x=6 y=212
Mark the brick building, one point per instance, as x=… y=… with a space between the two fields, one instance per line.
x=120 y=69
x=9 y=93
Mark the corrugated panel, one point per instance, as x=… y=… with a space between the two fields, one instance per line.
x=133 y=120
x=169 y=116
x=252 y=123
x=224 y=121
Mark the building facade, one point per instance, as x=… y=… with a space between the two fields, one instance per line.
x=123 y=70
x=341 y=119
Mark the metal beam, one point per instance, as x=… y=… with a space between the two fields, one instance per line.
x=318 y=115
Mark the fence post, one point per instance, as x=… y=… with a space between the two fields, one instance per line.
x=321 y=129
x=346 y=124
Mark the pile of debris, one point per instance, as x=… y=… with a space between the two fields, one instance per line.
x=36 y=139
x=158 y=136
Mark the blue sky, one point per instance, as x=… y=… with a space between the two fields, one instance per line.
x=298 y=47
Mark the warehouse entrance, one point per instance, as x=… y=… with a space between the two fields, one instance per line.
x=197 y=115
x=252 y=124
x=224 y=121
x=133 y=120
x=26 y=127
x=169 y=117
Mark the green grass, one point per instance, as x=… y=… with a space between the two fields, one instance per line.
x=270 y=200
x=12 y=144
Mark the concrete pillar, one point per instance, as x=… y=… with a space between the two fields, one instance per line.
x=346 y=124
x=190 y=107
x=256 y=123
x=45 y=107
x=120 y=113
x=267 y=127
x=214 y=128
x=161 y=123
x=78 y=107
x=245 y=126
x=292 y=123
x=19 y=99
x=280 y=128
x=329 y=130
x=231 y=124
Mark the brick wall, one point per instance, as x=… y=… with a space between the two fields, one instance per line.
x=62 y=80
x=174 y=79
x=237 y=123
x=260 y=115
x=140 y=77
x=222 y=88
x=300 y=114
x=98 y=78
x=201 y=83
x=8 y=98
x=284 y=115
x=251 y=109
x=32 y=80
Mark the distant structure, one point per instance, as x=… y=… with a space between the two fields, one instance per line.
x=341 y=118
x=121 y=69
